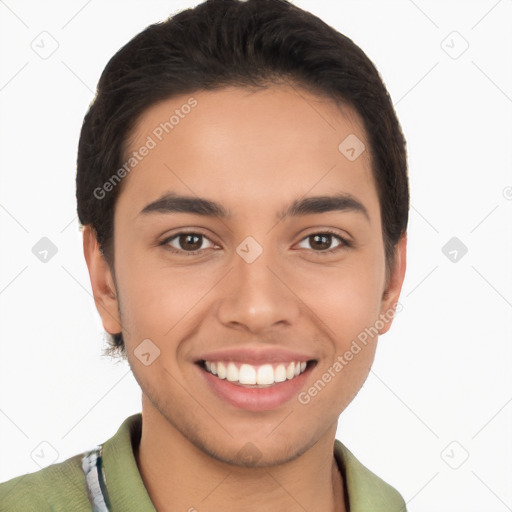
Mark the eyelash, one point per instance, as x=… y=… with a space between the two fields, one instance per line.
x=343 y=242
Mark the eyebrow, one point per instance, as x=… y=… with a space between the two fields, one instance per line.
x=173 y=203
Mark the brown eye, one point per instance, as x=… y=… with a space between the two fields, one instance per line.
x=188 y=242
x=323 y=242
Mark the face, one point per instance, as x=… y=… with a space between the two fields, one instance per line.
x=273 y=265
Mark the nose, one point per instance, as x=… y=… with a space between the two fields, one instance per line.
x=257 y=297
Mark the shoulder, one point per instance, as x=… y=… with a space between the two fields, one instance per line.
x=62 y=487
x=366 y=491
x=57 y=488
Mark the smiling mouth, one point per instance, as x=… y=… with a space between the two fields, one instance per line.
x=256 y=376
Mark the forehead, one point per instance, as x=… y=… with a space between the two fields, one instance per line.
x=244 y=145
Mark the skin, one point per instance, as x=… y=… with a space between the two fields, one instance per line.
x=254 y=153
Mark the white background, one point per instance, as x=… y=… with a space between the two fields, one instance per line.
x=443 y=372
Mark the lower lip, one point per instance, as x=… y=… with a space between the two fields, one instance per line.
x=256 y=399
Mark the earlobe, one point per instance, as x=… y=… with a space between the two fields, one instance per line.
x=102 y=282
x=394 y=283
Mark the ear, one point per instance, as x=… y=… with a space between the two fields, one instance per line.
x=102 y=282
x=394 y=283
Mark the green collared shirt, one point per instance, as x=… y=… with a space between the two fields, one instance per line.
x=62 y=487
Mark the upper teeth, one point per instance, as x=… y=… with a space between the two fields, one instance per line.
x=265 y=374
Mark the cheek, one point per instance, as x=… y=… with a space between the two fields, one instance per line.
x=156 y=301
x=347 y=303
x=346 y=298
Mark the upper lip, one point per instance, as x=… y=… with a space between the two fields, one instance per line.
x=253 y=355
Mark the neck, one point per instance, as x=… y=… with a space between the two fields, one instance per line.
x=179 y=476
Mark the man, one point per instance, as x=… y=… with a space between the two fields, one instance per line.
x=243 y=189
